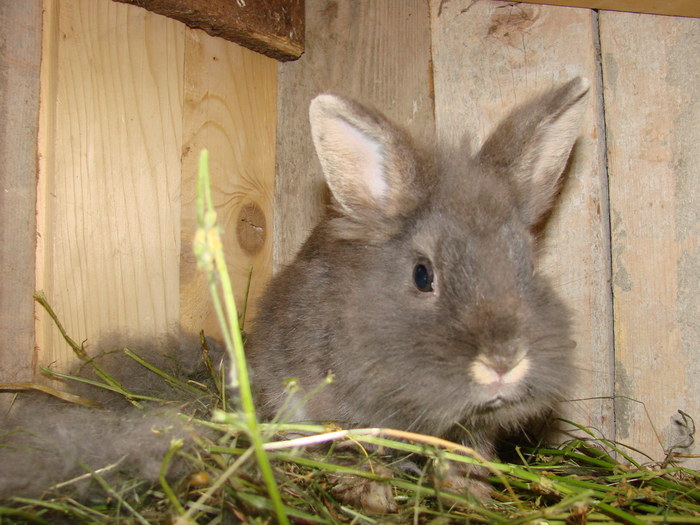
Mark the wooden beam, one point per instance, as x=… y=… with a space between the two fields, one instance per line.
x=121 y=135
x=654 y=7
x=20 y=35
x=109 y=184
x=650 y=66
x=272 y=27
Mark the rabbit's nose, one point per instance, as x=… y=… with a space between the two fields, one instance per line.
x=500 y=369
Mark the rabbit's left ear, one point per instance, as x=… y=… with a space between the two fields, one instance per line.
x=368 y=164
x=532 y=145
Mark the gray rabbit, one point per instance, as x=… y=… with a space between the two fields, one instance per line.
x=418 y=291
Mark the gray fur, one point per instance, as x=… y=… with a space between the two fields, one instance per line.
x=45 y=441
x=404 y=358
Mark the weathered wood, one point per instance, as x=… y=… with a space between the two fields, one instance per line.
x=20 y=41
x=230 y=109
x=109 y=188
x=376 y=52
x=652 y=98
x=667 y=7
x=272 y=27
x=491 y=56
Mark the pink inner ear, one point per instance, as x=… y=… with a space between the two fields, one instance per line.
x=361 y=156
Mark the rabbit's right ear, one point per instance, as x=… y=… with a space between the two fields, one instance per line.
x=368 y=164
x=532 y=145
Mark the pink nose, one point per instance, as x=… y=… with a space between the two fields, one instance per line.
x=499 y=370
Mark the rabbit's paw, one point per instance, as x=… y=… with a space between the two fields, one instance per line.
x=467 y=481
x=372 y=496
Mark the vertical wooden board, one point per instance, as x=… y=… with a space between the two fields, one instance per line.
x=651 y=71
x=20 y=58
x=230 y=109
x=109 y=189
x=375 y=52
x=491 y=56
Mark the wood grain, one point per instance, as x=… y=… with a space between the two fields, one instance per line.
x=667 y=7
x=651 y=68
x=272 y=27
x=109 y=187
x=376 y=52
x=20 y=41
x=230 y=109
x=491 y=56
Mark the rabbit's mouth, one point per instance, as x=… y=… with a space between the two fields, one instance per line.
x=502 y=397
x=499 y=395
x=495 y=402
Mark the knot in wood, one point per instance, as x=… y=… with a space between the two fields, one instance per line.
x=250 y=228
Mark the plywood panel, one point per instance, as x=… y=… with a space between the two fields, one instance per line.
x=230 y=109
x=376 y=52
x=651 y=68
x=20 y=41
x=491 y=56
x=109 y=190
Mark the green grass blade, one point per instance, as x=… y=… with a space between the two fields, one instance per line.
x=209 y=251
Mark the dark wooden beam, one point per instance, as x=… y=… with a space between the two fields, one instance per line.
x=272 y=27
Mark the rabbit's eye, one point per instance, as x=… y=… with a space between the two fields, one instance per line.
x=423 y=276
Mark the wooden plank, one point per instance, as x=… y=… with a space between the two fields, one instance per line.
x=230 y=109
x=490 y=56
x=652 y=98
x=376 y=52
x=109 y=187
x=667 y=7
x=20 y=35
x=272 y=27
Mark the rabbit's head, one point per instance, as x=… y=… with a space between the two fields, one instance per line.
x=419 y=291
